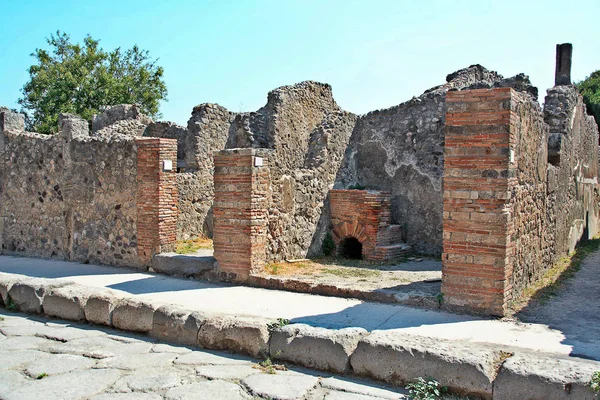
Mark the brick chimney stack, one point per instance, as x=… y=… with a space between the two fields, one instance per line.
x=564 y=53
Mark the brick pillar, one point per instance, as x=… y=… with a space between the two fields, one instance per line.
x=156 y=197
x=477 y=265
x=242 y=198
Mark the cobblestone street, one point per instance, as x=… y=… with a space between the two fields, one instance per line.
x=53 y=359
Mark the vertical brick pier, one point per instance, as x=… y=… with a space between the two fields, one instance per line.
x=156 y=197
x=477 y=266
x=242 y=198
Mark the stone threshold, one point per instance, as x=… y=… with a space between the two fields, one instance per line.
x=477 y=369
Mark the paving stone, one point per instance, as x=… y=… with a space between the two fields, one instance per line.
x=99 y=347
x=320 y=348
x=133 y=315
x=531 y=375
x=350 y=385
x=226 y=372
x=12 y=359
x=67 y=302
x=2 y=337
x=242 y=335
x=206 y=357
x=56 y=332
x=25 y=343
x=167 y=348
x=213 y=390
x=466 y=368
x=100 y=306
x=73 y=385
x=334 y=395
x=127 y=396
x=136 y=361
x=27 y=295
x=9 y=381
x=58 y=364
x=280 y=386
x=147 y=380
x=177 y=325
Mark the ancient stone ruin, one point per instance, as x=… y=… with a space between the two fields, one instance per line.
x=474 y=171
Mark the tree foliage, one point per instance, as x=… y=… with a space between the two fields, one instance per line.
x=590 y=89
x=83 y=79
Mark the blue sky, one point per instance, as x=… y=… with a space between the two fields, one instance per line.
x=375 y=54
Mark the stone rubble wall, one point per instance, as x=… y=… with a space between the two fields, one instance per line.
x=68 y=196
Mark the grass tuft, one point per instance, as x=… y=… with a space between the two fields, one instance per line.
x=192 y=245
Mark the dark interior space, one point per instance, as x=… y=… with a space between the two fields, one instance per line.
x=350 y=248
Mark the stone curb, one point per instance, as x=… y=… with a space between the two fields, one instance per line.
x=466 y=368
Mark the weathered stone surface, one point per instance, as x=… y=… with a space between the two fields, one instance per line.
x=176 y=325
x=6 y=282
x=214 y=390
x=182 y=265
x=226 y=372
x=19 y=358
x=127 y=396
x=28 y=295
x=73 y=385
x=532 y=376
x=10 y=381
x=324 y=349
x=24 y=343
x=167 y=348
x=67 y=302
x=466 y=368
x=137 y=361
x=354 y=386
x=100 y=347
x=58 y=364
x=210 y=358
x=99 y=307
x=280 y=386
x=147 y=380
x=243 y=335
x=133 y=315
x=122 y=118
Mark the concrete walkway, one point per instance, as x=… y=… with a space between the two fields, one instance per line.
x=60 y=360
x=314 y=310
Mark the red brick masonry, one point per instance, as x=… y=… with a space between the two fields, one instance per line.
x=156 y=197
x=242 y=197
x=476 y=258
x=366 y=216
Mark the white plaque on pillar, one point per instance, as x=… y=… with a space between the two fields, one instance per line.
x=258 y=161
x=167 y=165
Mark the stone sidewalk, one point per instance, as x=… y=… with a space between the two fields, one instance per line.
x=314 y=310
x=486 y=358
x=54 y=359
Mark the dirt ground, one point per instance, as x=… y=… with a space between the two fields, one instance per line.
x=573 y=308
x=414 y=280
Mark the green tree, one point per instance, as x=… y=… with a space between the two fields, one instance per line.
x=83 y=79
x=590 y=89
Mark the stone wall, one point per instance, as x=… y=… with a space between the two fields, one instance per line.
x=69 y=196
x=74 y=196
x=509 y=214
x=401 y=149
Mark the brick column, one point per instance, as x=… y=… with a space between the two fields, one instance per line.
x=156 y=197
x=242 y=198
x=477 y=265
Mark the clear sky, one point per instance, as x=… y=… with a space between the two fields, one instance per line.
x=375 y=54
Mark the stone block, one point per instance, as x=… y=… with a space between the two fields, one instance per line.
x=243 y=335
x=320 y=348
x=465 y=368
x=28 y=295
x=177 y=325
x=67 y=302
x=6 y=282
x=531 y=376
x=99 y=307
x=133 y=315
